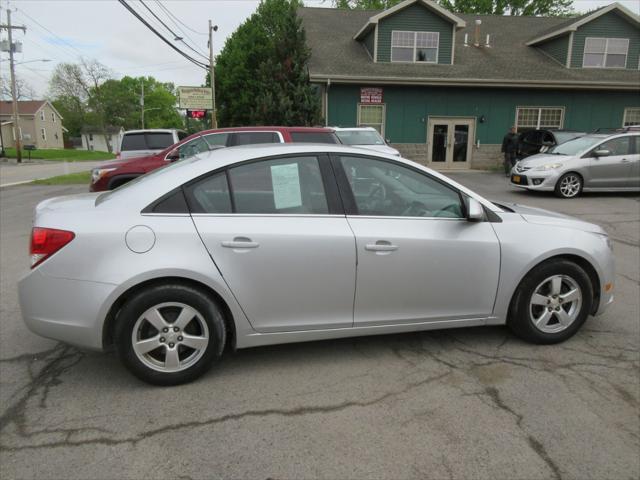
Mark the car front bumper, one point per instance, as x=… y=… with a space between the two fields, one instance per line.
x=62 y=309
x=543 y=180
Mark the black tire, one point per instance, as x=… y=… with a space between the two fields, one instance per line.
x=158 y=295
x=564 y=190
x=520 y=314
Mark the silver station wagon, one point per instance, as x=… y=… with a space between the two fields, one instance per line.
x=593 y=163
x=251 y=246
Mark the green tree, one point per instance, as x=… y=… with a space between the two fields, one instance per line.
x=262 y=72
x=488 y=7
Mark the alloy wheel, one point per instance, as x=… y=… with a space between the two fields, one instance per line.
x=570 y=186
x=555 y=304
x=170 y=337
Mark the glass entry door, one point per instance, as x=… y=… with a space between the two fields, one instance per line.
x=449 y=142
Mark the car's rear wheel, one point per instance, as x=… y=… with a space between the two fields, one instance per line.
x=169 y=334
x=551 y=303
x=569 y=185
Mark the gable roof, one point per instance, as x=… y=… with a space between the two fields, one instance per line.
x=27 y=107
x=573 y=24
x=508 y=62
x=434 y=7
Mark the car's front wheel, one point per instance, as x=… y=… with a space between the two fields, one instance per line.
x=569 y=185
x=551 y=303
x=169 y=334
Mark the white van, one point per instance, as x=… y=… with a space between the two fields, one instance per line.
x=140 y=143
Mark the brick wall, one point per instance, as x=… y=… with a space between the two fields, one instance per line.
x=483 y=158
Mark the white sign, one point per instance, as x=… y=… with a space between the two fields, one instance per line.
x=286 y=186
x=195 y=98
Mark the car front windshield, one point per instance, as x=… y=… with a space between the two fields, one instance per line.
x=360 y=137
x=562 y=137
x=575 y=146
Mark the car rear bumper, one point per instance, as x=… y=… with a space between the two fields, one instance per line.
x=63 y=309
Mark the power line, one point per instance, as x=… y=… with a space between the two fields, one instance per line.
x=52 y=33
x=159 y=35
x=175 y=35
x=175 y=19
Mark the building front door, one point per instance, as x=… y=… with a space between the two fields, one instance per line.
x=450 y=142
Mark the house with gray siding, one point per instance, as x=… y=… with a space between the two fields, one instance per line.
x=445 y=87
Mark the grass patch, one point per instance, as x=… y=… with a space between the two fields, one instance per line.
x=68 y=155
x=78 y=178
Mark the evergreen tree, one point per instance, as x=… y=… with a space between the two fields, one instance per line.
x=262 y=72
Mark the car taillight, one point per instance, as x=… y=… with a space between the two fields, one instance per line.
x=47 y=241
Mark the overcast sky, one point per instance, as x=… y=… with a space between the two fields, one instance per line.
x=64 y=30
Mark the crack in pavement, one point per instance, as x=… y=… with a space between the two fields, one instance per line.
x=293 y=412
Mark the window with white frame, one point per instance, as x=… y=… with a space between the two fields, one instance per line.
x=371 y=116
x=528 y=118
x=605 y=52
x=43 y=133
x=414 y=46
x=53 y=117
x=631 y=116
x=42 y=115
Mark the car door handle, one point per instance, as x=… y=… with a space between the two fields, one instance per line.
x=381 y=246
x=240 y=242
x=624 y=160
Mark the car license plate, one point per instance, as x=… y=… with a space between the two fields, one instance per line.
x=515 y=179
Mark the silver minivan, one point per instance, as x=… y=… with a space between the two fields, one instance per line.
x=140 y=143
x=594 y=163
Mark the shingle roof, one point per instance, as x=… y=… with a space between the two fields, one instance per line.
x=335 y=55
x=25 y=107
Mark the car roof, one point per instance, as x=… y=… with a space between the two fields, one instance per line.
x=347 y=129
x=153 y=130
x=268 y=128
x=164 y=180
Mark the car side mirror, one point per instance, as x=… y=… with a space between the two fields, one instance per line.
x=173 y=155
x=475 y=211
x=387 y=141
x=602 y=153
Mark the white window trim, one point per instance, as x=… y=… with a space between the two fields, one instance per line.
x=415 y=41
x=384 y=114
x=43 y=134
x=53 y=117
x=531 y=107
x=626 y=111
x=42 y=115
x=606 y=52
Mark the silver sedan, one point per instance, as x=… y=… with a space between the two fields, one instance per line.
x=253 y=246
x=593 y=163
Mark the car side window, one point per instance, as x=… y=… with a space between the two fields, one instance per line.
x=285 y=186
x=195 y=146
x=617 y=146
x=216 y=139
x=252 y=138
x=209 y=195
x=383 y=188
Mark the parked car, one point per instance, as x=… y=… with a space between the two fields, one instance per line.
x=141 y=143
x=365 y=137
x=533 y=142
x=115 y=174
x=592 y=163
x=242 y=247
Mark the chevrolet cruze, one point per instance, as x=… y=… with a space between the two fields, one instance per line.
x=251 y=246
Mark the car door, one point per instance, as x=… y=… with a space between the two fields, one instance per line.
x=419 y=259
x=614 y=169
x=277 y=233
x=634 y=162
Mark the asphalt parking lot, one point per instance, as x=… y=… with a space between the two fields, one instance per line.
x=465 y=403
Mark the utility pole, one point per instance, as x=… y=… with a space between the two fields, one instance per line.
x=212 y=77
x=14 y=93
x=142 y=105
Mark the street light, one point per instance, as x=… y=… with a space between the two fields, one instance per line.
x=31 y=61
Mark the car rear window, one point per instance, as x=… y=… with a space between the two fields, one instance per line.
x=146 y=141
x=314 y=137
x=251 y=138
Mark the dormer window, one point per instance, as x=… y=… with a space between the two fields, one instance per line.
x=605 y=52
x=414 y=46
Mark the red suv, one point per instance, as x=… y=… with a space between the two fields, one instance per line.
x=114 y=174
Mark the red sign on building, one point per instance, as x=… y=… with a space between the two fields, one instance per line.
x=196 y=113
x=371 y=95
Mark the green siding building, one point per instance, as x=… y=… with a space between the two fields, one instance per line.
x=447 y=87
